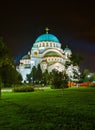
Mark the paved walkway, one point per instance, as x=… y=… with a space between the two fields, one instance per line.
x=6 y=90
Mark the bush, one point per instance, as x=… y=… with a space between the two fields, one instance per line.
x=59 y=80
x=23 y=89
x=92 y=84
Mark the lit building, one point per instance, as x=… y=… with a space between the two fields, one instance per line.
x=47 y=52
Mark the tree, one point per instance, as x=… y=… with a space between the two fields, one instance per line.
x=39 y=73
x=46 y=79
x=85 y=74
x=76 y=59
x=59 y=79
x=92 y=77
x=29 y=77
x=10 y=76
x=3 y=52
x=19 y=77
x=8 y=73
x=3 y=58
x=33 y=73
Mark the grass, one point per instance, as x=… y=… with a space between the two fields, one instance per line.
x=48 y=110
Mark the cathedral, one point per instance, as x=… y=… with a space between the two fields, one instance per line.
x=47 y=52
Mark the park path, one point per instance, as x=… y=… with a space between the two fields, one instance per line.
x=6 y=90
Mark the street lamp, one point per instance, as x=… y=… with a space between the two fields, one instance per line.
x=89 y=76
x=79 y=75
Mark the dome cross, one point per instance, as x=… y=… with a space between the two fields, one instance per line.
x=47 y=29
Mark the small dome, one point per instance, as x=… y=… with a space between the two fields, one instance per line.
x=34 y=46
x=47 y=37
x=67 y=49
x=26 y=57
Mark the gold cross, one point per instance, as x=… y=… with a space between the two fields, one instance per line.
x=47 y=29
x=66 y=46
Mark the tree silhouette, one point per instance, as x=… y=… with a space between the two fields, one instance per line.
x=8 y=73
x=76 y=59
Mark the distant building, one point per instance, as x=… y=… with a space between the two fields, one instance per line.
x=47 y=52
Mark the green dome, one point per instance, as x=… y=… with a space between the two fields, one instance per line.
x=47 y=37
x=26 y=57
x=49 y=54
x=67 y=49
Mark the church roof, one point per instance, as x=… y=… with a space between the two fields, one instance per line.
x=47 y=37
x=26 y=57
x=67 y=49
x=49 y=54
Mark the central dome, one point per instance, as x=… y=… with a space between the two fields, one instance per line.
x=47 y=37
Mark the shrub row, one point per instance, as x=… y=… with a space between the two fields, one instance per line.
x=92 y=84
x=23 y=89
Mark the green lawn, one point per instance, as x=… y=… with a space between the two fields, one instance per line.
x=48 y=110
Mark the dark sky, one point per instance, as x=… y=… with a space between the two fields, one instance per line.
x=72 y=22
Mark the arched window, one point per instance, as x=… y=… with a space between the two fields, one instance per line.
x=43 y=44
x=56 y=45
x=46 y=43
x=50 y=44
x=35 y=53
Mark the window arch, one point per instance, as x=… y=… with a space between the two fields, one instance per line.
x=50 y=44
x=47 y=44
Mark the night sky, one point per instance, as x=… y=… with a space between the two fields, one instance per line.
x=72 y=22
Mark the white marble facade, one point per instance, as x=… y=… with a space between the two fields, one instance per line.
x=47 y=52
